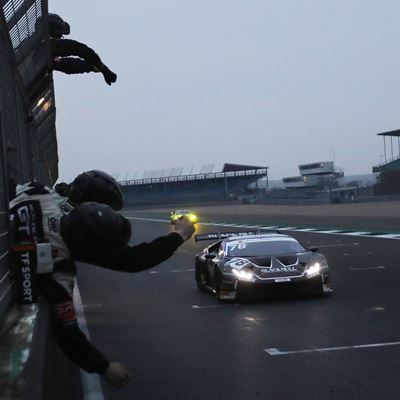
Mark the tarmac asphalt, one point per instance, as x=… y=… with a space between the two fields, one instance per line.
x=181 y=343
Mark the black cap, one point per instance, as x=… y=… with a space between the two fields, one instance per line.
x=96 y=186
x=57 y=26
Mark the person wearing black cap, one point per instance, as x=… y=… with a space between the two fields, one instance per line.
x=87 y=231
x=93 y=185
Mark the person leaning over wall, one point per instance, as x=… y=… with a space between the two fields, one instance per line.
x=82 y=230
x=73 y=57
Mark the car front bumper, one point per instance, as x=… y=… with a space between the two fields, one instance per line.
x=231 y=287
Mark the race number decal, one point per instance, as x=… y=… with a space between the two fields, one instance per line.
x=237 y=263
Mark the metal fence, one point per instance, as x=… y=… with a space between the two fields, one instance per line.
x=28 y=145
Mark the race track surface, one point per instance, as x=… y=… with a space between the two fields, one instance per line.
x=181 y=343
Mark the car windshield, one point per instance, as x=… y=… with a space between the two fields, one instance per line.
x=255 y=248
x=182 y=212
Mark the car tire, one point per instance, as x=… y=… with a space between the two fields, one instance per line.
x=323 y=289
x=218 y=279
x=201 y=277
x=218 y=286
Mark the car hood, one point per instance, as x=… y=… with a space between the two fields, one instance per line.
x=285 y=265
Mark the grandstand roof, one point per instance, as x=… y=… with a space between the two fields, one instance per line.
x=184 y=171
x=395 y=133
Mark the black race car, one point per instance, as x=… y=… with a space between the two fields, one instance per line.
x=268 y=263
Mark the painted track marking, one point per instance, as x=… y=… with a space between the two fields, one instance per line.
x=288 y=228
x=336 y=245
x=91 y=385
x=172 y=271
x=367 y=268
x=277 y=352
x=196 y=307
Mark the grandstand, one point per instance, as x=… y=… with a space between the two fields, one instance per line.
x=206 y=183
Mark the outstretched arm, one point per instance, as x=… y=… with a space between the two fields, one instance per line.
x=140 y=257
x=73 y=48
x=72 y=65
x=69 y=47
x=145 y=255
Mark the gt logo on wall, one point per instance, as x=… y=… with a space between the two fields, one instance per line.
x=27 y=219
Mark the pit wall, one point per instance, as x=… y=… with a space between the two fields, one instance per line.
x=28 y=151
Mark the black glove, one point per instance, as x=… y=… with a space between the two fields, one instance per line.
x=109 y=76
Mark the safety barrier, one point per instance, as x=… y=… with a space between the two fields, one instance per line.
x=28 y=151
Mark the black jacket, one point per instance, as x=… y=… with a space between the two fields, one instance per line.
x=71 y=339
x=40 y=224
x=73 y=48
x=135 y=258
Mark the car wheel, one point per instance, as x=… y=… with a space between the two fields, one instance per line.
x=218 y=287
x=225 y=297
x=201 y=277
x=326 y=289
x=323 y=289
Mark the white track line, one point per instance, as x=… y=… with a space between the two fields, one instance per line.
x=196 y=307
x=357 y=233
x=390 y=236
x=148 y=219
x=367 y=268
x=91 y=385
x=173 y=271
x=276 y=352
x=336 y=245
x=284 y=228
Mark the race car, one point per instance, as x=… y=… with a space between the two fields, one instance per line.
x=252 y=263
x=174 y=215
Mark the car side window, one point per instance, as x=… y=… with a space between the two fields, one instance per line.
x=214 y=248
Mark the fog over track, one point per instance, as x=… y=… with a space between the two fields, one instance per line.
x=181 y=343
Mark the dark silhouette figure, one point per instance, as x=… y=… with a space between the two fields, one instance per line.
x=73 y=57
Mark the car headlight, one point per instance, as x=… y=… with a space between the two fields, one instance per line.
x=242 y=274
x=193 y=218
x=313 y=269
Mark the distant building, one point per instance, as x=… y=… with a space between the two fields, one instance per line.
x=319 y=175
x=388 y=172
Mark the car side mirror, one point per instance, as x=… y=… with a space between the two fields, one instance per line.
x=210 y=256
x=313 y=249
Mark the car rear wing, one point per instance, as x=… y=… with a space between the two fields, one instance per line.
x=224 y=235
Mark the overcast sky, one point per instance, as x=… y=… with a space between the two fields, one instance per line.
x=272 y=83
